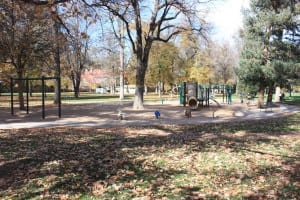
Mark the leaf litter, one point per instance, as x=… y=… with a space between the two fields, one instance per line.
x=211 y=161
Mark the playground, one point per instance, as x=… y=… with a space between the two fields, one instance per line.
x=105 y=114
x=195 y=104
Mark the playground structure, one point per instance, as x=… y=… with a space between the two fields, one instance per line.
x=43 y=79
x=196 y=95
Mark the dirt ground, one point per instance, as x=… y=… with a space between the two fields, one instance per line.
x=106 y=114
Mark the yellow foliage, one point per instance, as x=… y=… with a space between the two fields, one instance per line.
x=201 y=70
x=201 y=74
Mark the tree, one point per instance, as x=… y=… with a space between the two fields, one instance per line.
x=167 y=19
x=196 y=62
x=201 y=68
x=270 y=45
x=164 y=19
x=22 y=39
x=161 y=65
x=56 y=9
x=224 y=60
x=77 y=45
x=188 y=50
x=118 y=32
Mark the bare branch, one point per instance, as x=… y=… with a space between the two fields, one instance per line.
x=45 y=2
x=115 y=10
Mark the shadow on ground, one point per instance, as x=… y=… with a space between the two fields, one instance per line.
x=73 y=162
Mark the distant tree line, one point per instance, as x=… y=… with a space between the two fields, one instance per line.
x=158 y=44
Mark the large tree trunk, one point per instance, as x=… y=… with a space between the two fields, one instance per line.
x=76 y=89
x=76 y=84
x=57 y=63
x=56 y=89
x=142 y=55
x=261 y=91
x=140 y=82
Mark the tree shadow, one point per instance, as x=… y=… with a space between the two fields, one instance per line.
x=55 y=161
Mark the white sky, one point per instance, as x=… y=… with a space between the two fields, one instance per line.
x=227 y=18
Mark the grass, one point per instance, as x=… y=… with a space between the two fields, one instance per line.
x=293 y=100
x=85 y=97
x=244 y=160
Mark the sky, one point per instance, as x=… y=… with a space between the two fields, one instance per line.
x=227 y=18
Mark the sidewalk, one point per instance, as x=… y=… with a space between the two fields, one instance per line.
x=101 y=115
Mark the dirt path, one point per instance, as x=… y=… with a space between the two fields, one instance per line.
x=106 y=115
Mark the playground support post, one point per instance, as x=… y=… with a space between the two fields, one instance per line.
x=226 y=96
x=184 y=94
x=207 y=97
x=197 y=90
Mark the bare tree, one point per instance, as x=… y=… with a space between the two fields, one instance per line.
x=163 y=20
x=118 y=32
x=224 y=60
x=77 y=46
x=146 y=22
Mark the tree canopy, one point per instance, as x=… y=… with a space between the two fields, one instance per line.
x=155 y=21
x=270 y=55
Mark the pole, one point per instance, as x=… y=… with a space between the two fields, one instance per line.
x=27 y=96
x=122 y=46
x=184 y=94
x=196 y=90
x=43 y=97
x=226 y=96
x=223 y=92
x=208 y=95
x=11 y=96
x=59 y=97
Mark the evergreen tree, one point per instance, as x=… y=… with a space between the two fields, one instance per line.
x=271 y=45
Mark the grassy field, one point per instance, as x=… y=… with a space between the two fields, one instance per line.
x=293 y=100
x=85 y=97
x=244 y=160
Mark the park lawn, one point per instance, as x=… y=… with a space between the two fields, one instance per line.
x=237 y=160
x=85 y=97
x=293 y=100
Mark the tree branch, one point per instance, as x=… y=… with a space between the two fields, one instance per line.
x=45 y=2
